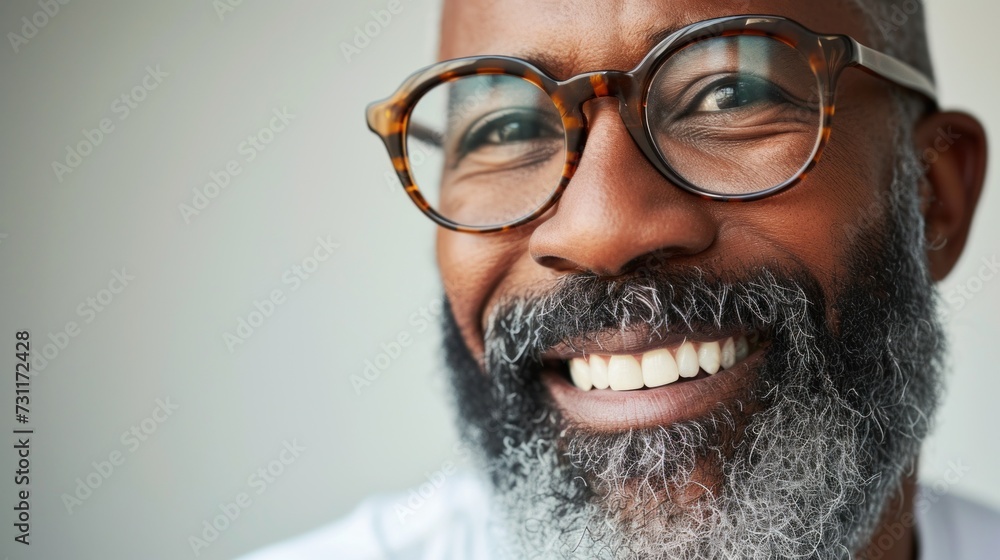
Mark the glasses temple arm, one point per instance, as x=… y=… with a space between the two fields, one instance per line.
x=425 y=134
x=894 y=70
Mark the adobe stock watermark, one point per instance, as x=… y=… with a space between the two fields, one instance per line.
x=87 y=310
x=965 y=291
x=943 y=141
x=259 y=482
x=419 y=496
x=249 y=149
x=421 y=321
x=418 y=156
x=896 y=16
x=225 y=7
x=131 y=440
x=31 y=26
x=122 y=106
x=292 y=277
x=364 y=34
x=926 y=498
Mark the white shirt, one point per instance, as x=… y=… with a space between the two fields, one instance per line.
x=450 y=522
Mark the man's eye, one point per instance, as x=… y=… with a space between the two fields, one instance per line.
x=508 y=128
x=513 y=131
x=738 y=93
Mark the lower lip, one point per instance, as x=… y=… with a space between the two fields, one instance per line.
x=613 y=411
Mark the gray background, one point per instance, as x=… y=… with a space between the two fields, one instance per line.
x=323 y=175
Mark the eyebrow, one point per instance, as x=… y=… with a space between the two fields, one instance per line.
x=658 y=37
x=557 y=66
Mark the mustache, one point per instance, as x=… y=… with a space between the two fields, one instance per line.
x=652 y=302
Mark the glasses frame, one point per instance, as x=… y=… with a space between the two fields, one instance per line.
x=828 y=55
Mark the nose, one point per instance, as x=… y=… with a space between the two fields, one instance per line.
x=618 y=210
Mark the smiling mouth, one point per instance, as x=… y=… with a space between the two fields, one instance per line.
x=686 y=361
x=655 y=386
x=660 y=366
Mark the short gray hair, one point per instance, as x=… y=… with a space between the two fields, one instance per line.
x=898 y=27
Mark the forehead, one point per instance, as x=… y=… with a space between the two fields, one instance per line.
x=588 y=35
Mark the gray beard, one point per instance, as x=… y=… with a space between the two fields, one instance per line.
x=803 y=469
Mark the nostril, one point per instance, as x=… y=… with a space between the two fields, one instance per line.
x=617 y=210
x=560 y=264
x=556 y=263
x=653 y=260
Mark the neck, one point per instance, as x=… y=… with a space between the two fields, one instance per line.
x=895 y=537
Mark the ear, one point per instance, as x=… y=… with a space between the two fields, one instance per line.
x=952 y=147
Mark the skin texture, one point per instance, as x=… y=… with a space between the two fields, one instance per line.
x=618 y=210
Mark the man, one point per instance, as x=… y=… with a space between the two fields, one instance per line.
x=694 y=337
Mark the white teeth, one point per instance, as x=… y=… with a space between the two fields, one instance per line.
x=579 y=370
x=659 y=368
x=687 y=360
x=624 y=373
x=599 y=372
x=728 y=357
x=742 y=348
x=709 y=357
x=656 y=368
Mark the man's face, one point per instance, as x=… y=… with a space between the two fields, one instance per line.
x=817 y=302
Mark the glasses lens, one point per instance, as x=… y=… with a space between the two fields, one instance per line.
x=485 y=150
x=736 y=115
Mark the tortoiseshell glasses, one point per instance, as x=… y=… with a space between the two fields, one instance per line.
x=735 y=108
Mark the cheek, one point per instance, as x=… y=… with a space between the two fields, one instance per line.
x=818 y=222
x=472 y=268
x=805 y=228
